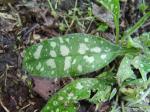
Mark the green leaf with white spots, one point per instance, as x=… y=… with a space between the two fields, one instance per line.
x=142 y=42
x=114 y=7
x=134 y=42
x=69 y=55
x=125 y=71
x=66 y=99
x=142 y=63
x=102 y=95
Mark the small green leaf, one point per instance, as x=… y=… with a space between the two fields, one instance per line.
x=142 y=42
x=134 y=42
x=143 y=7
x=66 y=99
x=135 y=92
x=131 y=94
x=142 y=63
x=102 y=27
x=114 y=7
x=102 y=95
x=107 y=77
x=69 y=55
x=125 y=70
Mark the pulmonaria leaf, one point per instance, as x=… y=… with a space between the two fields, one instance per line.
x=69 y=55
x=66 y=99
x=134 y=43
x=102 y=95
x=140 y=42
x=125 y=70
x=142 y=63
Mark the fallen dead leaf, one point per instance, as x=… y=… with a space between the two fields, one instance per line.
x=103 y=15
x=45 y=87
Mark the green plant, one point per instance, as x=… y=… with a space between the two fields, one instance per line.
x=73 y=17
x=143 y=6
x=102 y=27
x=76 y=54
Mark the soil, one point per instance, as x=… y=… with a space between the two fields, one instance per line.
x=27 y=22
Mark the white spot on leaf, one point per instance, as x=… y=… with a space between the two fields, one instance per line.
x=60 y=98
x=38 y=66
x=96 y=49
x=67 y=63
x=141 y=65
x=61 y=40
x=74 y=61
x=107 y=49
x=55 y=103
x=51 y=63
x=57 y=110
x=93 y=66
x=112 y=6
x=83 y=48
x=79 y=86
x=42 y=69
x=37 y=53
x=53 y=44
x=64 y=50
x=70 y=95
x=67 y=39
x=86 y=40
x=110 y=1
x=103 y=56
x=52 y=53
x=89 y=59
x=52 y=72
x=102 y=42
x=79 y=68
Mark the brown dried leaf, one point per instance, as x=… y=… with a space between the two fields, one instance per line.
x=103 y=15
x=45 y=87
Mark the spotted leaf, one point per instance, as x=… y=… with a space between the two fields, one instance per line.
x=142 y=63
x=102 y=95
x=66 y=99
x=70 y=55
x=125 y=71
x=142 y=42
